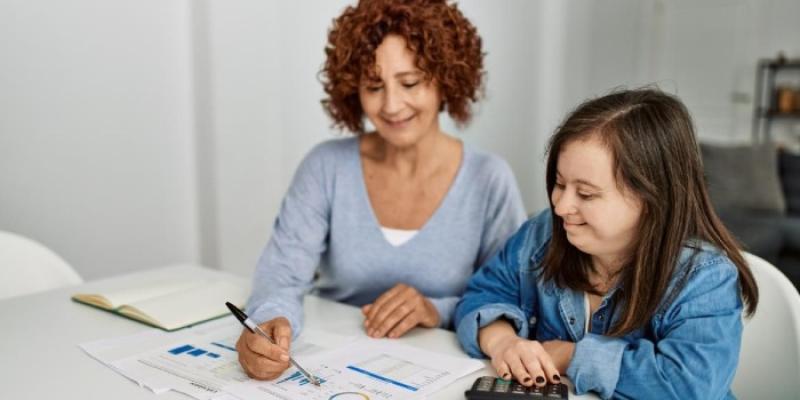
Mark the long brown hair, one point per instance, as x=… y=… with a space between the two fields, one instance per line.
x=652 y=142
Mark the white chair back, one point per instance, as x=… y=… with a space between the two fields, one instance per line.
x=27 y=266
x=769 y=362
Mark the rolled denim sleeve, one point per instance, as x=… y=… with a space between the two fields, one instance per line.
x=694 y=356
x=471 y=323
x=596 y=364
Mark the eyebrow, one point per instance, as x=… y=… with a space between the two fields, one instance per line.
x=581 y=181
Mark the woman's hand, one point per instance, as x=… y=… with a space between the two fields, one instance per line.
x=512 y=356
x=397 y=311
x=261 y=359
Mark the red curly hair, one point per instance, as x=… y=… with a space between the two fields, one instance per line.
x=446 y=44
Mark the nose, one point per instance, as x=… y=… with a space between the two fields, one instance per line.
x=563 y=203
x=392 y=101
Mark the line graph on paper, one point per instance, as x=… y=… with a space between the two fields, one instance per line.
x=398 y=372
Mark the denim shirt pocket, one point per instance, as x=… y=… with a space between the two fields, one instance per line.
x=546 y=331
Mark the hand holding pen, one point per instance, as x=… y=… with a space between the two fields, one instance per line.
x=266 y=359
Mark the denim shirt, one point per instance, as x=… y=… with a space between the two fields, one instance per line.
x=688 y=350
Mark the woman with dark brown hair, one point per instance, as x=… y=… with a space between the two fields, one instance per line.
x=629 y=284
x=393 y=220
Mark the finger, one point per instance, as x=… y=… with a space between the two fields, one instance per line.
x=550 y=370
x=381 y=300
x=261 y=368
x=381 y=314
x=403 y=298
x=266 y=368
x=530 y=359
x=262 y=347
x=386 y=296
x=518 y=370
x=404 y=325
x=365 y=308
x=252 y=367
x=282 y=333
x=399 y=311
x=502 y=369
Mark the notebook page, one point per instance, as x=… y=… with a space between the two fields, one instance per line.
x=194 y=304
x=149 y=290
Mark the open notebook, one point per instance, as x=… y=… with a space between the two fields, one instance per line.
x=169 y=304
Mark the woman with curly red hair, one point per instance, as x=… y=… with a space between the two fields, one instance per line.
x=394 y=219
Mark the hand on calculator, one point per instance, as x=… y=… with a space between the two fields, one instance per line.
x=492 y=388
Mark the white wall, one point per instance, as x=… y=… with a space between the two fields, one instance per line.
x=266 y=113
x=96 y=140
x=138 y=133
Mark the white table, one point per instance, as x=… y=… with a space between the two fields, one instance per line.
x=40 y=358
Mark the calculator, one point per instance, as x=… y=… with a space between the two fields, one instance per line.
x=493 y=388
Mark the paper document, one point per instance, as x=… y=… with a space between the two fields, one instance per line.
x=366 y=369
x=197 y=362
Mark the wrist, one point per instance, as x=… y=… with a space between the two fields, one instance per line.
x=433 y=317
x=490 y=336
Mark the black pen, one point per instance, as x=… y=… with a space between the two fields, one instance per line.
x=253 y=327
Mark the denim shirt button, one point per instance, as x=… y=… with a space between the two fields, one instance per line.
x=532 y=321
x=572 y=320
x=600 y=317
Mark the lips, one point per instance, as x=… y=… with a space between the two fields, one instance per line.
x=397 y=122
x=569 y=225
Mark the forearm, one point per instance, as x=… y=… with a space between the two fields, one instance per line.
x=494 y=333
x=277 y=289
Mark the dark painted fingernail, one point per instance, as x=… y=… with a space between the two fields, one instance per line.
x=527 y=379
x=540 y=379
x=556 y=378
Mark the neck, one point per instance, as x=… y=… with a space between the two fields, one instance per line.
x=606 y=270
x=418 y=158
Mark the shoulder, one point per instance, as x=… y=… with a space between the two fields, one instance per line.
x=487 y=167
x=705 y=280
x=704 y=259
x=532 y=238
x=327 y=154
x=333 y=148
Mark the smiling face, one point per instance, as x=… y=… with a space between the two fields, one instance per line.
x=401 y=104
x=600 y=218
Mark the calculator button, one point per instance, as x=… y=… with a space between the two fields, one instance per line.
x=502 y=387
x=517 y=388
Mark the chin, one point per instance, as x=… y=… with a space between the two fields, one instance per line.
x=403 y=138
x=577 y=244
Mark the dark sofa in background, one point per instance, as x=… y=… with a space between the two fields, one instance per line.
x=756 y=191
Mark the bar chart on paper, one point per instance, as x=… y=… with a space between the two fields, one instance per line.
x=200 y=366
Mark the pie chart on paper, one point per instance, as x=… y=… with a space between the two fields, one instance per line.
x=349 y=396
